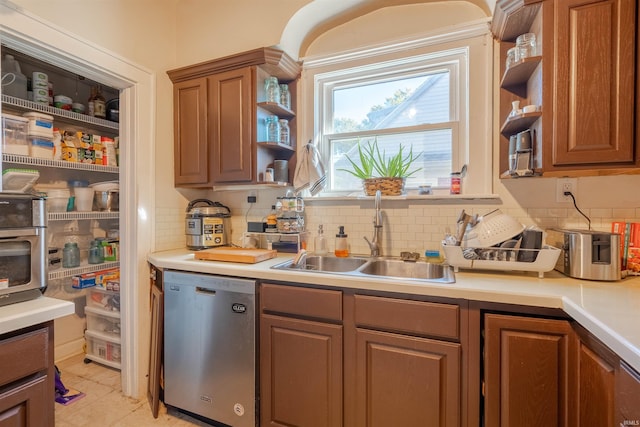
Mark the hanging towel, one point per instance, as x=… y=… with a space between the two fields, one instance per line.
x=310 y=172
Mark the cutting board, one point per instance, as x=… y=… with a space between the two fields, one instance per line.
x=244 y=255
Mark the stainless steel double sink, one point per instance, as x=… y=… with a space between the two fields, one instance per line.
x=383 y=267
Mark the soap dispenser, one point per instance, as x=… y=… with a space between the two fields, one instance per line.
x=320 y=243
x=342 y=244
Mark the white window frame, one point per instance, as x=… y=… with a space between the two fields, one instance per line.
x=470 y=47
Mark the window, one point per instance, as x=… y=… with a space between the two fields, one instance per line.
x=419 y=101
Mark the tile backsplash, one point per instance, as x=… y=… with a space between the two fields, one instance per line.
x=408 y=225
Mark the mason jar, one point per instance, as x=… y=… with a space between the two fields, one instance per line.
x=285 y=96
x=285 y=137
x=273 y=129
x=272 y=89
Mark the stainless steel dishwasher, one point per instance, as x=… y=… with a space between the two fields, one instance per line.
x=209 y=347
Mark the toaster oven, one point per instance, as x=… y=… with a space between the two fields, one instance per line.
x=23 y=247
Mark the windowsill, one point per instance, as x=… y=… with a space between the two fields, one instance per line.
x=440 y=198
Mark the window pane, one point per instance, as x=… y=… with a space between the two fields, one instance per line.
x=401 y=102
x=432 y=147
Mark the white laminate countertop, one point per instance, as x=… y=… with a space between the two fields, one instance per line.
x=609 y=310
x=28 y=313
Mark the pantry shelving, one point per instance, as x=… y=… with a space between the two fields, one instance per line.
x=83 y=269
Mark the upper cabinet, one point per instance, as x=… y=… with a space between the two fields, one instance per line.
x=581 y=84
x=220 y=111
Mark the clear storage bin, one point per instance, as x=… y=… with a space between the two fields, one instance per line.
x=106 y=322
x=102 y=347
x=40 y=124
x=14 y=132
x=104 y=299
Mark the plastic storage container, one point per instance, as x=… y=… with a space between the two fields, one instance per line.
x=103 y=321
x=57 y=200
x=40 y=124
x=14 y=132
x=41 y=147
x=14 y=83
x=104 y=299
x=103 y=348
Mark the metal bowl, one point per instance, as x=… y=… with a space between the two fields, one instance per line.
x=108 y=201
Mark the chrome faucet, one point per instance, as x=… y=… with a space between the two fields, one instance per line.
x=300 y=260
x=374 y=244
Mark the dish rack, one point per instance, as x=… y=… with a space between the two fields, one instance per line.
x=504 y=259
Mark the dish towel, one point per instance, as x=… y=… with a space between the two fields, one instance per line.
x=310 y=172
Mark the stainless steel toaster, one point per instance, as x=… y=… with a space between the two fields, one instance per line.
x=587 y=254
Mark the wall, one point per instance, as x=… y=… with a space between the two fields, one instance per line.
x=417 y=225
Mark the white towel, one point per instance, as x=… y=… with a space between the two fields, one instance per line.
x=310 y=172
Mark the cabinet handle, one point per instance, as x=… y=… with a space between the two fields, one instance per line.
x=202 y=290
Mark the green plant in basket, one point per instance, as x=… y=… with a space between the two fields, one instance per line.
x=374 y=163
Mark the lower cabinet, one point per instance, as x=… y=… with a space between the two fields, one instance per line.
x=406 y=381
x=627 y=396
x=332 y=358
x=27 y=377
x=529 y=371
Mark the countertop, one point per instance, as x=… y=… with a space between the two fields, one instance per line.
x=28 y=313
x=609 y=310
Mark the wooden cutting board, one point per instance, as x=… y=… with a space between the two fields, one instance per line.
x=244 y=255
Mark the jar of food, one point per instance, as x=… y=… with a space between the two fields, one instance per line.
x=456 y=182
x=272 y=89
x=285 y=96
x=284 y=132
x=273 y=129
x=526 y=44
x=71 y=255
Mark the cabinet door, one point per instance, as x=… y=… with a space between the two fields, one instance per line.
x=596 y=389
x=406 y=381
x=627 y=396
x=594 y=82
x=231 y=118
x=191 y=148
x=29 y=404
x=529 y=372
x=300 y=373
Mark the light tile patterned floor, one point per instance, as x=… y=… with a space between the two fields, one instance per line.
x=104 y=404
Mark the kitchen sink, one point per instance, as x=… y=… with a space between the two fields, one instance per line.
x=380 y=267
x=407 y=269
x=325 y=263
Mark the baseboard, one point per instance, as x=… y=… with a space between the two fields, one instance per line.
x=68 y=349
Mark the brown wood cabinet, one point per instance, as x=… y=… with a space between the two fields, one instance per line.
x=219 y=114
x=627 y=396
x=529 y=371
x=596 y=381
x=300 y=356
x=585 y=81
x=334 y=358
x=27 y=377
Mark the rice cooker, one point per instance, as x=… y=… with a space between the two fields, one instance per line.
x=207 y=225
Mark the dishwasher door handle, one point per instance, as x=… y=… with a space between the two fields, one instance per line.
x=201 y=290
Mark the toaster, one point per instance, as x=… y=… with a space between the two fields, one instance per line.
x=587 y=254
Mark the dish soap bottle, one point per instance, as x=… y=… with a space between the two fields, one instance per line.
x=342 y=244
x=320 y=243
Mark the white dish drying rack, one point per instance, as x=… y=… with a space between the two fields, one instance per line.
x=503 y=259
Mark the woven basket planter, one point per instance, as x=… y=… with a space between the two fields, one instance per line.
x=387 y=186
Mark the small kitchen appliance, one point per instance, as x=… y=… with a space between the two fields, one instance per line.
x=23 y=247
x=207 y=226
x=587 y=254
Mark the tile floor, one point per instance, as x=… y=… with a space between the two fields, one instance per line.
x=104 y=404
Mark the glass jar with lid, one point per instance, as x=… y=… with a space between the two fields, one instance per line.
x=71 y=255
x=285 y=137
x=273 y=128
x=526 y=44
x=285 y=96
x=272 y=89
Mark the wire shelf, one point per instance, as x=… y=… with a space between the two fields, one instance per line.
x=37 y=161
x=87 y=268
x=26 y=105
x=67 y=216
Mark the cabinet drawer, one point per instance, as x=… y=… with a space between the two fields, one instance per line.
x=23 y=355
x=407 y=316
x=297 y=301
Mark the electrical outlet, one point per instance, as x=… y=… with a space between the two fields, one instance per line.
x=563 y=185
x=252 y=197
